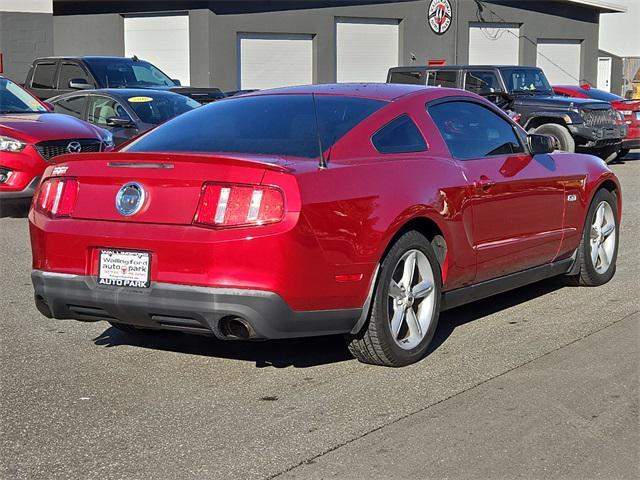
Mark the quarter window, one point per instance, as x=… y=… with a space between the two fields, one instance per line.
x=443 y=78
x=399 y=136
x=43 y=75
x=472 y=131
x=73 y=106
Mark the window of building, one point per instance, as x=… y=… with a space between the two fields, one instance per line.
x=399 y=136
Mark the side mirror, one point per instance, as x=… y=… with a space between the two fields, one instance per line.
x=120 y=122
x=539 y=144
x=79 y=84
x=176 y=81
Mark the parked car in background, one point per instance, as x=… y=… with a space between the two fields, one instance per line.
x=582 y=125
x=31 y=136
x=350 y=209
x=52 y=76
x=629 y=109
x=125 y=112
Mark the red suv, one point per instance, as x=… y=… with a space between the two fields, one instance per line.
x=31 y=135
x=630 y=109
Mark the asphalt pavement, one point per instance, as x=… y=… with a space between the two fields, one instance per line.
x=541 y=382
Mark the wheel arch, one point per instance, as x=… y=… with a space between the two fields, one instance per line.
x=538 y=120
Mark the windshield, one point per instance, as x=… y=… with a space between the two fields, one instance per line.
x=14 y=99
x=267 y=124
x=124 y=72
x=526 y=80
x=156 y=108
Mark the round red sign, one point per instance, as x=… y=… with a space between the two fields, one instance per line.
x=439 y=15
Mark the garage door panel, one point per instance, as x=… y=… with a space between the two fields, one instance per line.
x=274 y=60
x=494 y=44
x=161 y=40
x=366 y=49
x=560 y=60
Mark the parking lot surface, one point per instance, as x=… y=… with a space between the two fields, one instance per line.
x=541 y=382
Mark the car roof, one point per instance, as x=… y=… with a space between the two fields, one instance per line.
x=86 y=57
x=374 y=91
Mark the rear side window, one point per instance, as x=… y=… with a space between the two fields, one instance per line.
x=443 y=78
x=73 y=106
x=265 y=124
x=43 y=75
x=399 y=136
x=412 y=78
x=473 y=131
x=68 y=72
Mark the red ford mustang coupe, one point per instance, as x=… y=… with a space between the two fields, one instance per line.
x=362 y=210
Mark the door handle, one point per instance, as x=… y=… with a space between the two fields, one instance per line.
x=485 y=183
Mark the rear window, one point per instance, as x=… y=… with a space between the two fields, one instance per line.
x=268 y=124
x=43 y=75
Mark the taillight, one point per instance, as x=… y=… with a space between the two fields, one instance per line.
x=57 y=197
x=228 y=205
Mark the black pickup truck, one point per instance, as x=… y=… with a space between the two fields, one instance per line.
x=52 y=76
x=584 y=125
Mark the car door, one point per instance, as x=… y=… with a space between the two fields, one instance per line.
x=101 y=107
x=68 y=71
x=517 y=199
x=73 y=105
x=43 y=80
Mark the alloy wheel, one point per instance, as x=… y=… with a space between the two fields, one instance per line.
x=603 y=237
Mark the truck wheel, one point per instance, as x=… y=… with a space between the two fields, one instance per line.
x=560 y=134
x=623 y=153
x=598 y=248
x=405 y=307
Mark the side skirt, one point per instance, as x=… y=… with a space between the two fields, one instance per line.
x=464 y=295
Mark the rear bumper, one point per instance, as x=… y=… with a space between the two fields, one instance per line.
x=185 y=308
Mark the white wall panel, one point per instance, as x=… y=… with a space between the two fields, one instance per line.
x=560 y=60
x=494 y=44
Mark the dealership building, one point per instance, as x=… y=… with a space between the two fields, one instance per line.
x=262 y=44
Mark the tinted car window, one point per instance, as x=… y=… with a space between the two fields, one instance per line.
x=73 y=106
x=481 y=82
x=102 y=108
x=43 y=75
x=474 y=131
x=68 y=72
x=526 y=80
x=412 y=78
x=124 y=72
x=399 y=136
x=156 y=108
x=443 y=78
x=268 y=124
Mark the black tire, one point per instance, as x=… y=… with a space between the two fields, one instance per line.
x=565 y=141
x=375 y=344
x=587 y=274
x=123 y=327
x=623 y=153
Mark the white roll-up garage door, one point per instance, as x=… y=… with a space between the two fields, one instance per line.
x=269 y=60
x=494 y=44
x=366 y=49
x=161 y=40
x=560 y=60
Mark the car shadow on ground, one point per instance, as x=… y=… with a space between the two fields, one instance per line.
x=629 y=157
x=309 y=352
x=14 y=208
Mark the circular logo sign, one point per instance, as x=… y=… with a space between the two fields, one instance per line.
x=74 y=147
x=439 y=15
x=130 y=199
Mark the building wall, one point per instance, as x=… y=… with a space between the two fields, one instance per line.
x=24 y=37
x=88 y=34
